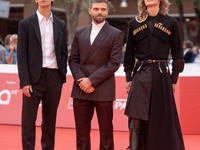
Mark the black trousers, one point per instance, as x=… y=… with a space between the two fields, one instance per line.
x=83 y=112
x=48 y=90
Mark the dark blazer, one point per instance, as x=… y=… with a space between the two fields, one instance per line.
x=98 y=61
x=187 y=57
x=29 y=49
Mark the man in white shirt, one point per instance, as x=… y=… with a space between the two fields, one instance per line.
x=42 y=66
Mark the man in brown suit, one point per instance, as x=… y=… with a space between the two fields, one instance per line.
x=95 y=56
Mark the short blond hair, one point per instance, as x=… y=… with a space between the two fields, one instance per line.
x=164 y=7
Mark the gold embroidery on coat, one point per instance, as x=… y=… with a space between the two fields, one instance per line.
x=139 y=29
x=159 y=26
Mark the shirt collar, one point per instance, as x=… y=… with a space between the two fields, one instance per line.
x=40 y=17
x=97 y=26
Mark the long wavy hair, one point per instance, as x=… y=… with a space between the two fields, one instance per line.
x=164 y=7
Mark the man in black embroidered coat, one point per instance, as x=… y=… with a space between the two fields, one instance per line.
x=150 y=104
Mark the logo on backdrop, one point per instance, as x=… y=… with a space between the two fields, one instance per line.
x=118 y=104
x=5 y=96
x=8 y=97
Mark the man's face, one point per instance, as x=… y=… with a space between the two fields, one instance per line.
x=184 y=47
x=44 y=3
x=150 y=3
x=14 y=40
x=98 y=12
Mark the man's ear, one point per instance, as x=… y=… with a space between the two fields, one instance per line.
x=89 y=10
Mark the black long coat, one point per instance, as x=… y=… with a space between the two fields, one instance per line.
x=151 y=95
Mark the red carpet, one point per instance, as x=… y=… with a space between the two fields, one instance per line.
x=10 y=139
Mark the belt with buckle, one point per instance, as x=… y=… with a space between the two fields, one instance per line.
x=154 y=61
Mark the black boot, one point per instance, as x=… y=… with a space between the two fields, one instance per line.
x=135 y=129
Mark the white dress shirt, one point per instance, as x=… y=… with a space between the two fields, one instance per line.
x=95 y=30
x=47 y=38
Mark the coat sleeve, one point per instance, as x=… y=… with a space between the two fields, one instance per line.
x=22 y=54
x=176 y=51
x=106 y=71
x=64 y=53
x=129 y=59
x=74 y=59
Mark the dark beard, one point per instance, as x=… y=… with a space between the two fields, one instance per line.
x=99 y=20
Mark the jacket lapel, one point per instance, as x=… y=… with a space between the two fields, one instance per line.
x=35 y=25
x=86 y=39
x=98 y=40
x=55 y=29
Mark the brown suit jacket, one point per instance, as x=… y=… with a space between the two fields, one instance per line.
x=98 y=61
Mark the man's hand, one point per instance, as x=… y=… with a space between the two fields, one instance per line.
x=90 y=90
x=174 y=87
x=86 y=85
x=128 y=86
x=10 y=56
x=26 y=90
x=12 y=47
